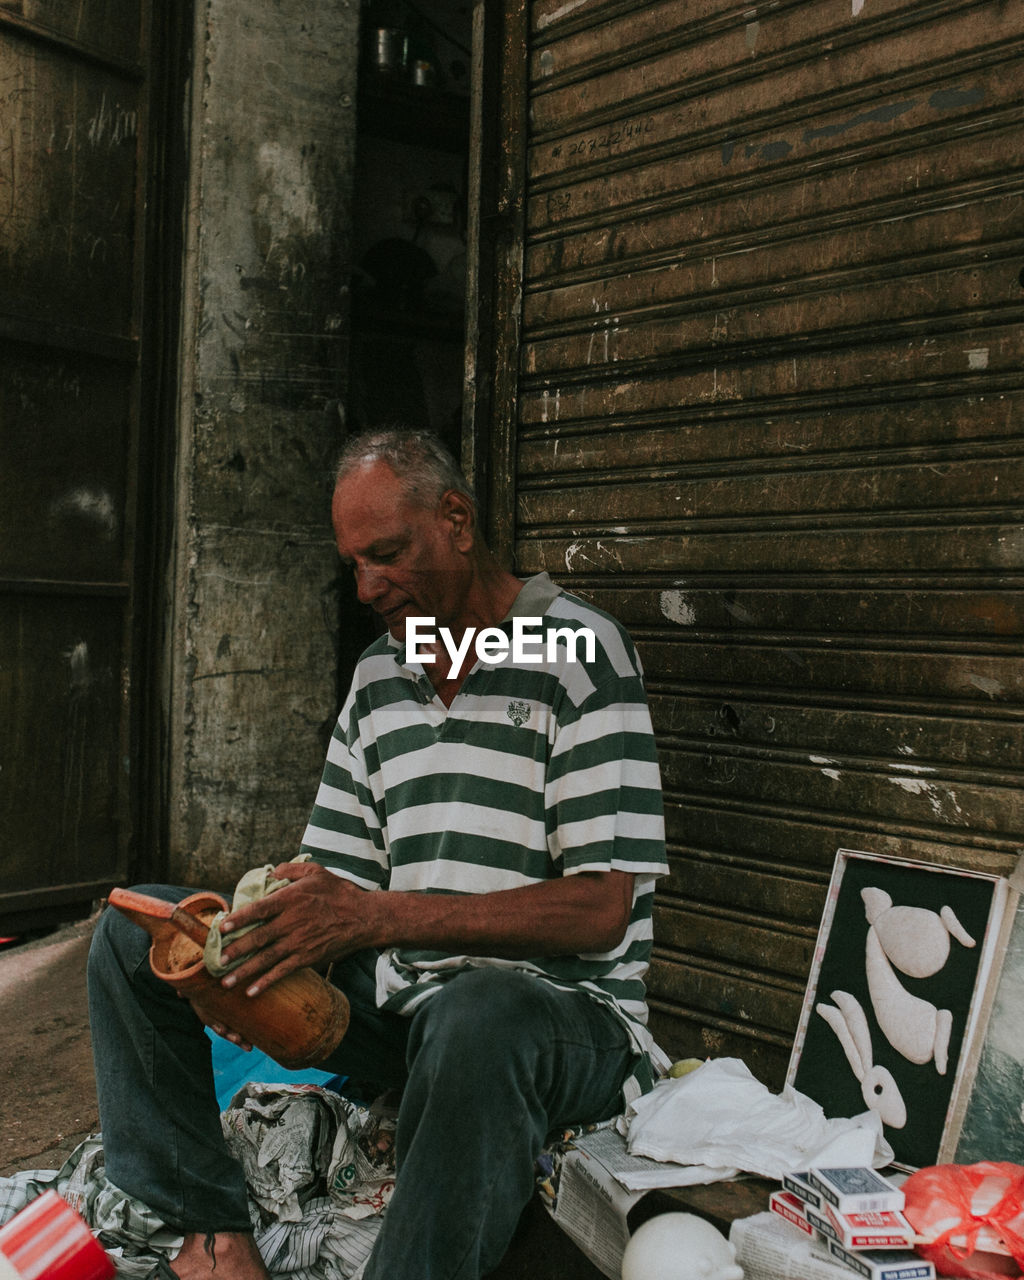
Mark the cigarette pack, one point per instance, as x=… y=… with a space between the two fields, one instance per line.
x=889 y=1230
x=800 y=1186
x=856 y=1190
x=790 y=1207
x=883 y=1264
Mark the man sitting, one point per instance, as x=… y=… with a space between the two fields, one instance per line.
x=486 y=839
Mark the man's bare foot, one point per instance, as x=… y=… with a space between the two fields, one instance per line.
x=227 y=1255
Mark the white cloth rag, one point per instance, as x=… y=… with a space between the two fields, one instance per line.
x=719 y=1115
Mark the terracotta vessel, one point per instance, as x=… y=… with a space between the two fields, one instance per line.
x=298 y=1021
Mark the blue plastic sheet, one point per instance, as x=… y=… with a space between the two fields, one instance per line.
x=234 y=1067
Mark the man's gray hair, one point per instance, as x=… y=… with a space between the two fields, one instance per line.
x=422 y=463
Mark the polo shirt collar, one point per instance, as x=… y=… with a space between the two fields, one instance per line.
x=534 y=599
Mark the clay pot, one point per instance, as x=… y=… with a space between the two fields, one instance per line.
x=298 y=1021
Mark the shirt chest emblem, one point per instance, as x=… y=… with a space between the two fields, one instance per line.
x=518 y=712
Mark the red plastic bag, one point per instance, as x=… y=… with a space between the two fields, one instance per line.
x=970 y=1218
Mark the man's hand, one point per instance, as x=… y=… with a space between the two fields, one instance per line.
x=317 y=918
x=218 y=1028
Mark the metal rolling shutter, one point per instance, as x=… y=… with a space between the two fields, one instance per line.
x=768 y=414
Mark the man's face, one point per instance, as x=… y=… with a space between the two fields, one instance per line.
x=408 y=560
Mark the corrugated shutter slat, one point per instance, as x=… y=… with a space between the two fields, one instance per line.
x=768 y=414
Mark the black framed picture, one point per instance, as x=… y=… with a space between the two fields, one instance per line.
x=896 y=995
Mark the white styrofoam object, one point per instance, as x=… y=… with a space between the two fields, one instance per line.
x=679 y=1246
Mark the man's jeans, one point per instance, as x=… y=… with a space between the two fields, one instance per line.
x=488 y=1067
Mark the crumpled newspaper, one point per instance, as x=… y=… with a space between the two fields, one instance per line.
x=721 y=1116
x=300 y=1142
x=253 y=886
x=336 y=1160
x=134 y=1237
x=320 y=1171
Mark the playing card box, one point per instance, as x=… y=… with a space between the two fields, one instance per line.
x=888 y=1230
x=800 y=1186
x=883 y=1264
x=792 y=1208
x=856 y=1190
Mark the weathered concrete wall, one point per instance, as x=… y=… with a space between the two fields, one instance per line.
x=252 y=671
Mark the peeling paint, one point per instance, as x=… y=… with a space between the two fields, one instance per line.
x=674 y=606
x=576 y=552
x=613 y=553
x=941 y=802
x=986 y=685
x=557 y=14
x=977 y=358
x=94 y=505
x=78 y=664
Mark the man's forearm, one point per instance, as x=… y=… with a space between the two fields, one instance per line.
x=322 y=917
x=576 y=914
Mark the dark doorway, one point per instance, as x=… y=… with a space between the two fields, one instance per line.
x=84 y=411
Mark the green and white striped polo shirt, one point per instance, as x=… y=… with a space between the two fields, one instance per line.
x=535 y=771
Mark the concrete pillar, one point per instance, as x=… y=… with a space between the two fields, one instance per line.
x=251 y=673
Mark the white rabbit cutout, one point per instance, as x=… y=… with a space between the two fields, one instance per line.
x=915 y=941
x=879 y=1088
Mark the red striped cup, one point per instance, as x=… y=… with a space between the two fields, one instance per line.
x=48 y=1240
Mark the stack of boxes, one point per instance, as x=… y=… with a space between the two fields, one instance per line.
x=849 y=1219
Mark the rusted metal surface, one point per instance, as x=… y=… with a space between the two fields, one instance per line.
x=497 y=204
x=61 y=693
x=107 y=31
x=63 y=456
x=768 y=413
x=70 y=156
x=74 y=100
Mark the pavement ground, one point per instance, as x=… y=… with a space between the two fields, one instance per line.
x=47 y=1088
